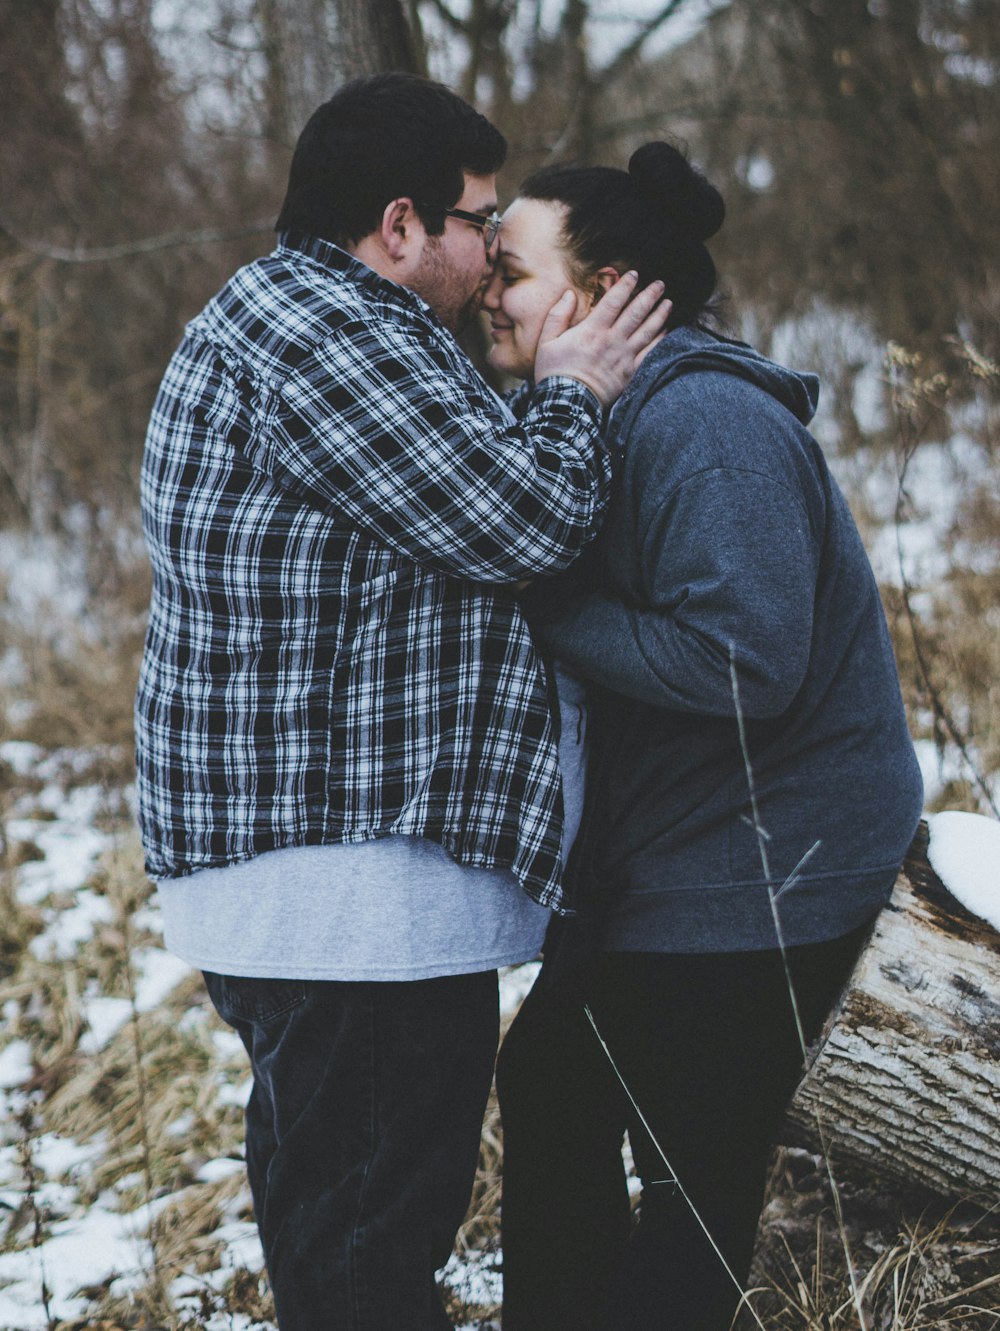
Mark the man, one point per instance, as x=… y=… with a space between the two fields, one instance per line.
x=348 y=776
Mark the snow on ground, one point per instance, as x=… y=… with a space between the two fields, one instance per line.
x=15 y=1064
x=964 y=851
x=71 y=1256
x=104 y=1240
x=515 y=982
x=81 y=1245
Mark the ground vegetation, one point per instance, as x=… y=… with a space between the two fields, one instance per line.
x=144 y=153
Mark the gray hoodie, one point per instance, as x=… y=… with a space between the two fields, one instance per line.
x=729 y=554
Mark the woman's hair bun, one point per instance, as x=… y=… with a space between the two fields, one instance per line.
x=687 y=202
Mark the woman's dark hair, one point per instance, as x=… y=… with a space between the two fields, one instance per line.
x=382 y=138
x=655 y=217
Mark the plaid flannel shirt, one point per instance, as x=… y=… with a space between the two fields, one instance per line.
x=337 y=508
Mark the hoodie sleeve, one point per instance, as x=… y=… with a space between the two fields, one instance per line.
x=729 y=568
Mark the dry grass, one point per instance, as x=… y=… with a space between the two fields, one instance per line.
x=946 y=629
x=922 y=1264
x=156 y=1131
x=158 y=1101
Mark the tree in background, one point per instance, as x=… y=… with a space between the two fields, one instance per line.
x=139 y=145
x=146 y=147
x=857 y=144
x=144 y=156
x=99 y=159
x=312 y=46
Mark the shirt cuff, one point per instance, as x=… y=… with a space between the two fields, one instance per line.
x=556 y=386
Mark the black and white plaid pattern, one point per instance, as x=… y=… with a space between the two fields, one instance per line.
x=337 y=507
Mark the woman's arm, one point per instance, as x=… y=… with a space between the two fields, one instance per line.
x=728 y=564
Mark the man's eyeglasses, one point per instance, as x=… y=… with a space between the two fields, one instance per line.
x=490 y=225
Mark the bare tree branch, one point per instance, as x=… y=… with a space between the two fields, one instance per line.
x=452 y=20
x=128 y=249
x=628 y=53
x=688 y=111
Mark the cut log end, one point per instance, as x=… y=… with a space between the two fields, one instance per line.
x=905 y=1080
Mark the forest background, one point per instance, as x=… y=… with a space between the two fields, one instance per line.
x=143 y=155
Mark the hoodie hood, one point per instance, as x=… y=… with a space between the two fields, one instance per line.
x=688 y=350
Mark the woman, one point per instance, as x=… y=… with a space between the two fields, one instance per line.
x=752 y=786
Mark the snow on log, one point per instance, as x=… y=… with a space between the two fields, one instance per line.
x=906 y=1078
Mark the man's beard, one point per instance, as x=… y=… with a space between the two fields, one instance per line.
x=446 y=290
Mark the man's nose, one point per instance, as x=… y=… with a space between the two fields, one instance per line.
x=491 y=292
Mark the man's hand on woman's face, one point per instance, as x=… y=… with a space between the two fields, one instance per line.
x=603 y=349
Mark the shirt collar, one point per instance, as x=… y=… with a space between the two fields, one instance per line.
x=338 y=260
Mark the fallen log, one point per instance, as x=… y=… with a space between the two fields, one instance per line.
x=905 y=1080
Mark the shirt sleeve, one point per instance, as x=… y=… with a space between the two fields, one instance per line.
x=396 y=432
x=731 y=566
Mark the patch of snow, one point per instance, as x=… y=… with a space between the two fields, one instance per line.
x=242 y=1252
x=515 y=981
x=213 y=1171
x=919 y=543
x=964 y=851
x=15 y=1064
x=228 y=1044
x=104 y=1017
x=55 y=1155
x=181 y=1126
x=70 y=843
x=939 y=768
x=21 y=756
x=45 y=577
x=242 y=1243
x=929 y=761
x=159 y=974
x=148 y=918
x=76 y=1252
x=72 y=925
x=237 y=1095
x=930 y=511
x=476 y=1276
x=227 y=1321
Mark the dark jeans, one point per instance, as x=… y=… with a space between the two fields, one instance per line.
x=362 y=1136
x=708 y=1046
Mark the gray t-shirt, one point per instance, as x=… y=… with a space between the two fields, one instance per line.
x=399 y=908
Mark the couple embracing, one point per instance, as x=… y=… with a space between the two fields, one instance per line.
x=434 y=678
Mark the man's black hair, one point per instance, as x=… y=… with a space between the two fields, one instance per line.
x=381 y=138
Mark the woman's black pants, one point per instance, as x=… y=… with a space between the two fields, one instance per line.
x=708 y=1046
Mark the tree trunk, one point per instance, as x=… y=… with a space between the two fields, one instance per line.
x=312 y=47
x=373 y=36
x=906 y=1078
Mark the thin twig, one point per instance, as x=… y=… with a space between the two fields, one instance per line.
x=762 y=840
x=674 y=1180
x=26 y=1159
x=793 y=877
x=941 y=711
x=129 y=249
x=857 y=1295
x=142 y=1094
x=630 y=52
x=864 y=1319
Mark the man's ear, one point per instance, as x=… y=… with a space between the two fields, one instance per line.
x=604 y=280
x=399 y=221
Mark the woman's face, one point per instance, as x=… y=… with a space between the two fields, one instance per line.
x=529 y=277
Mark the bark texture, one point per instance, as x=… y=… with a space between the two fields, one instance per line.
x=374 y=35
x=906 y=1079
x=312 y=47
